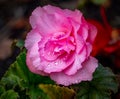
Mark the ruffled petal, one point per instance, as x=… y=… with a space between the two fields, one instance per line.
x=84 y=74
x=32 y=37
x=53 y=9
x=83 y=30
x=77 y=64
x=44 y=22
x=32 y=66
x=79 y=41
x=34 y=57
x=73 y=15
x=92 y=33
x=88 y=49
x=59 y=64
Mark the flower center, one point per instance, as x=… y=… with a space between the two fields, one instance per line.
x=58 y=45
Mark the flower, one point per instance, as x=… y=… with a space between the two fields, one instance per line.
x=59 y=45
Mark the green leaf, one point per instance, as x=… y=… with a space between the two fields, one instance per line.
x=2 y=90
x=20 y=43
x=21 y=80
x=101 y=87
x=104 y=79
x=10 y=94
x=57 y=92
x=34 y=92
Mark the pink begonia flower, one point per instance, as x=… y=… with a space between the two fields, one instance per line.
x=59 y=45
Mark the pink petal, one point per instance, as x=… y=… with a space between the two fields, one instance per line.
x=84 y=74
x=47 y=49
x=88 y=49
x=92 y=33
x=32 y=67
x=43 y=41
x=77 y=64
x=73 y=68
x=53 y=9
x=79 y=41
x=83 y=30
x=32 y=37
x=36 y=14
x=34 y=57
x=57 y=65
x=79 y=44
x=44 y=22
x=51 y=49
x=48 y=55
x=73 y=15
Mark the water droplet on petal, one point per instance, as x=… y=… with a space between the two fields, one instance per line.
x=76 y=81
x=48 y=65
x=56 y=63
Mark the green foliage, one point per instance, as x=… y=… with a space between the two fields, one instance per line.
x=101 y=87
x=2 y=90
x=57 y=92
x=21 y=82
x=20 y=43
x=10 y=94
